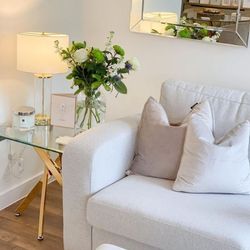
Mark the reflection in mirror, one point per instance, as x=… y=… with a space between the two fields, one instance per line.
x=217 y=21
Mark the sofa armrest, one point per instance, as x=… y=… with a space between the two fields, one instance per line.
x=93 y=160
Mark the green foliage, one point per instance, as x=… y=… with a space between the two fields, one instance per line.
x=98 y=55
x=185 y=33
x=92 y=68
x=121 y=87
x=188 y=29
x=78 y=45
x=119 y=50
x=170 y=26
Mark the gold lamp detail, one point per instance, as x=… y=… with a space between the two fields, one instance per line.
x=36 y=53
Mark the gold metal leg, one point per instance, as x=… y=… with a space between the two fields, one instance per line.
x=51 y=168
x=28 y=199
x=42 y=204
x=50 y=164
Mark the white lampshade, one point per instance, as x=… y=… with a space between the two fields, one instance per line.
x=36 y=53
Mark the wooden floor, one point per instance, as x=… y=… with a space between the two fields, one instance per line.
x=21 y=233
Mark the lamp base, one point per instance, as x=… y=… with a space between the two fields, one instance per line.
x=42 y=120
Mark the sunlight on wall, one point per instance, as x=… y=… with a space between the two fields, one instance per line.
x=12 y=7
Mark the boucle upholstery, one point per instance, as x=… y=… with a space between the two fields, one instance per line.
x=147 y=210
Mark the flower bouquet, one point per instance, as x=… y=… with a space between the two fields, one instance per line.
x=93 y=69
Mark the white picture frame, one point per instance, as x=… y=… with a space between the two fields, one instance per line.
x=63 y=110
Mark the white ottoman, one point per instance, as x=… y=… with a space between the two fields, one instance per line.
x=109 y=247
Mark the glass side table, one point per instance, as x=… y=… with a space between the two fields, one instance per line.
x=43 y=140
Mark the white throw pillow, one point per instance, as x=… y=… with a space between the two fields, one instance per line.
x=209 y=167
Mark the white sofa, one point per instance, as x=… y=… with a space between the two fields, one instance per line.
x=101 y=205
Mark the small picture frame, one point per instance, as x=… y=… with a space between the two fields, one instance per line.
x=63 y=110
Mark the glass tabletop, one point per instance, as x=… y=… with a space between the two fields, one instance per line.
x=43 y=137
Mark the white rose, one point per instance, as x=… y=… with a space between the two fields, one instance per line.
x=81 y=55
x=170 y=32
x=134 y=62
x=207 y=39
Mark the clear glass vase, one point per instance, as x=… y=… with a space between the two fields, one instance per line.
x=90 y=111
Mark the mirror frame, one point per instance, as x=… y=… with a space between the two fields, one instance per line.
x=136 y=21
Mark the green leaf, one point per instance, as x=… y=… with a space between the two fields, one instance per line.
x=119 y=50
x=106 y=87
x=185 y=33
x=170 y=26
x=79 y=45
x=97 y=77
x=97 y=94
x=154 y=31
x=123 y=71
x=78 y=82
x=96 y=85
x=121 y=87
x=98 y=55
x=70 y=76
x=203 y=32
x=78 y=91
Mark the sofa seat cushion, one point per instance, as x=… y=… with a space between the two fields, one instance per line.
x=147 y=210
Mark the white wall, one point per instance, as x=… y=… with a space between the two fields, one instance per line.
x=162 y=58
x=16 y=88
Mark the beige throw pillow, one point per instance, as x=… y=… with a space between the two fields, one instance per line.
x=159 y=145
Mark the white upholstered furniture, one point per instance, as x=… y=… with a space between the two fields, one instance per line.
x=101 y=205
x=108 y=247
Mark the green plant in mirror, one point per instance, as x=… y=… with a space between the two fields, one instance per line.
x=93 y=69
x=190 y=30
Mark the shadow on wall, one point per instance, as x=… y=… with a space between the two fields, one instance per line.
x=13 y=7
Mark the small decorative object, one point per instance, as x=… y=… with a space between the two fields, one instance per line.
x=36 y=54
x=63 y=107
x=24 y=118
x=93 y=68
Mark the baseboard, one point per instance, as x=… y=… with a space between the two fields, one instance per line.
x=19 y=191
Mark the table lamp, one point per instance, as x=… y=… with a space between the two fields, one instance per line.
x=36 y=53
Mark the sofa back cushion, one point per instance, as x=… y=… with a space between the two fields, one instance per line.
x=229 y=107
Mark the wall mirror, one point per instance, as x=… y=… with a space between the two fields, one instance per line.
x=216 y=21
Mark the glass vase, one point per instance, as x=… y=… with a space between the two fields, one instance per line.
x=90 y=111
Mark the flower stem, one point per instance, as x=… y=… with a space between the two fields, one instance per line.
x=84 y=116
x=90 y=118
